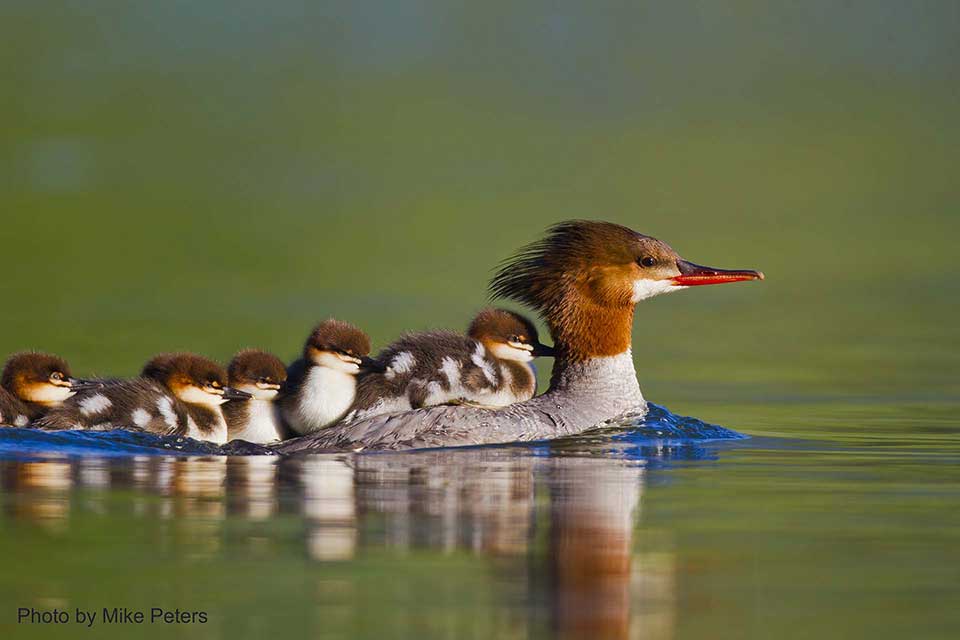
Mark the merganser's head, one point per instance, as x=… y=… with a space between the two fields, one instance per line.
x=258 y=373
x=340 y=346
x=507 y=335
x=193 y=379
x=41 y=378
x=585 y=278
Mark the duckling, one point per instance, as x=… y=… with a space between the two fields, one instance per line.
x=488 y=367
x=322 y=384
x=260 y=374
x=33 y=383
x=176 y=394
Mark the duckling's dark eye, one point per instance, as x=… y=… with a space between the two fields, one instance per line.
x=514 y=338
x=56 y=375
x=647 y=261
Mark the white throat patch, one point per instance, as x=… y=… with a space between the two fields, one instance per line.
x=643 y=289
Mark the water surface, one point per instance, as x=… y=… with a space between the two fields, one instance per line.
x=852 y=535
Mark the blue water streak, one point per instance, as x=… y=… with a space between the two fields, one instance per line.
x=655 y=434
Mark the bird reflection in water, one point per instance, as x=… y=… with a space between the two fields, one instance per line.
x=558 y=528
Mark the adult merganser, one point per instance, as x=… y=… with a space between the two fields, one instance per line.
x=176 y=394
x=584 y=278
x=260 y=374
x=33 y=383
x=490 y=366
x=322 y=384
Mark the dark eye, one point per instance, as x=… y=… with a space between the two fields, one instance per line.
x=56 y=375
x=514 y=338
x=647 y=261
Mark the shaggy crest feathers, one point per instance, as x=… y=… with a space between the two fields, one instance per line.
x=336 y=335
x=580 y=279
x=540 y=273
x=253 y=365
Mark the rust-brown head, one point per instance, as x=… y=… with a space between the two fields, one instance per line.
x=507 y=335
x=258 y=373
x=192 y=378
x=585 y=277
x=41 y=378
x=340 y=346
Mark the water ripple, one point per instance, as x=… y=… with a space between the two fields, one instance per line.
x=638 y=436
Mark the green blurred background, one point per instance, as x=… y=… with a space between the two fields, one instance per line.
x=210 y=176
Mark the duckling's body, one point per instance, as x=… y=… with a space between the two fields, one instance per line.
x=34 y=383
x=122 y=404
x=321 y=386
x=13 y=412
x=176 y=394
x=585 y=279
x=257 y=419
x=489 y=367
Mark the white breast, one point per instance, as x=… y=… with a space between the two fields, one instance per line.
x=217 y=436
x=262 y=426
x=323 y=399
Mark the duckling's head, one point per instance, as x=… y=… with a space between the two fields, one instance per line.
x=258 y=373
x=586 y=276
x=192 y=378
x=41 y=378
x=339 y=346
x=507 y=335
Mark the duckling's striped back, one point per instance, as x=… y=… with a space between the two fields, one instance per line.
x=439 y=367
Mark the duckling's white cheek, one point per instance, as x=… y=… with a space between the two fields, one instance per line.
x=195 y=395
x=326 y=359
x=643 y=289
x=506 y=352
x=332 y=361
x=257 y=392
x=44 y=393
